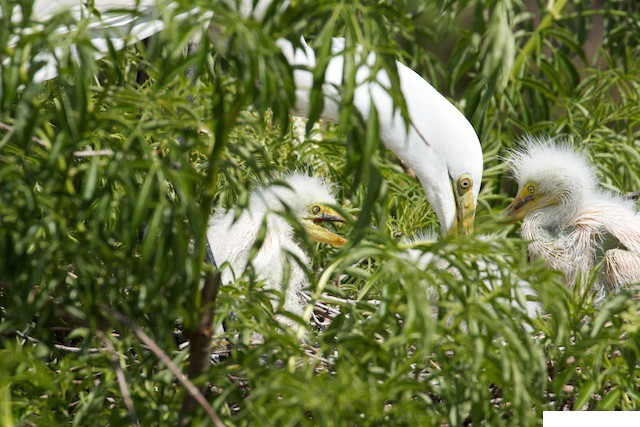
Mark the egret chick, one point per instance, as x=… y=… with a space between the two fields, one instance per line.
x=308 y=199
x=573 y=224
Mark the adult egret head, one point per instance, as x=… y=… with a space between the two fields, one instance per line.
x=442 y=148
x=451 y=176
x=572 y=224
x=231 y=237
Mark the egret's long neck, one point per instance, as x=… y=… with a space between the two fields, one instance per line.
x=432 y=117
x=560 y=208
x=545 y=229
x=540 y=229
x=434 y=133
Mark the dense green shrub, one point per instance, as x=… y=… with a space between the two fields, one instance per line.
x=85 y=237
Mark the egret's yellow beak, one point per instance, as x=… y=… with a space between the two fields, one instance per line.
x=522 y=205
x=465 y=209
x=318 y=215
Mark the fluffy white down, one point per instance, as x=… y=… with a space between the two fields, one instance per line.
x=587 y=225
x=231 y=242
x=559 y=170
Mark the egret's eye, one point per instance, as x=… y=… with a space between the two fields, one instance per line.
x=531 y=189
x=464 y=183
x=315 y=209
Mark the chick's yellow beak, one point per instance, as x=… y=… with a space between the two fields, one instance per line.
x=320 y=214
x=522 y=205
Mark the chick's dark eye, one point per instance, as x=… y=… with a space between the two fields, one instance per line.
x=315 y=209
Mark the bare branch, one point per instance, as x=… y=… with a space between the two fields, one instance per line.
x=72 y=319
x=200 y=339
x=60 y=346
x=122 y=379
x=635 y=195
x=9 y=128
x=160 y=354
x=93 y=153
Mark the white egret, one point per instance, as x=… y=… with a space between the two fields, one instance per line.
x=571 y=223
x=439 y=144
x=309 y=200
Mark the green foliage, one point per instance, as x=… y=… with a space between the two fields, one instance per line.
x=83 y=234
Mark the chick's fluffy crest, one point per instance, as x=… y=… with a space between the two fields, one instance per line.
x=550 y=163
x=298 y=191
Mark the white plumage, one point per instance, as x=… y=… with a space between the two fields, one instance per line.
x=571 y=222
x=439 y=144
x=308 y=200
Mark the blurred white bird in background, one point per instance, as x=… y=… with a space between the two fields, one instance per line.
x=571 y=222
x=489 y=272
x=120 y=22
x=280 y=254
x=440 y=145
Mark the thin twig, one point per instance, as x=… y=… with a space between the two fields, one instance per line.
x=327 y=309
x=336 y=300
x=93 y=153
x=312 y=352
x=122 y=379
x=407 y=169
x=60 y=346
x=319 y=323
x=320 y=306
x=160 y=354
x=72 y=319
x=424 y=138
x=635 y=195
x=9 y=128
